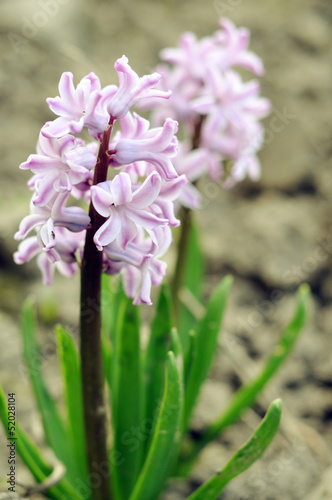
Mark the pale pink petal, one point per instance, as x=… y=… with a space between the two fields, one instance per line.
x=27 y=249
x=190 y=197
x=127 y=233
x=46 y=267
x=144 y=218
x=143 y=295
x=80 y=156
x=102 y=198
x=47 y=235
x=121 y=189
x=73 y=218
x=27 y=224
x=147 y=192
x=131 y=278
x=108 y=232
x=67 y=89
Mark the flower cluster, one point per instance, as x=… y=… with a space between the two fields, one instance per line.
x=219 y=112
x=135 y=200
x=147 y=170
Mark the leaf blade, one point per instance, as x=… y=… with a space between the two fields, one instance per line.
x=246 y=456
x=156 y=353
x=55 y=432
x=247 y=394
x=193 y=276
x=165 y=438
x=34 y=460
x=127 y=409
x=206 y=339
x=71 y=376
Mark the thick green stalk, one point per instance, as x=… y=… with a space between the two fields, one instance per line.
x=91 y=354
x=185 y=218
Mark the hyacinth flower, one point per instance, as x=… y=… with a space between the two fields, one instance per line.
x=157 y=146
x=65 y=167
x=132 y=88
x=126 y=209
x=126 y=229
x=77 y=108
x=219 y=114
x=210 y=97
x=60 y=164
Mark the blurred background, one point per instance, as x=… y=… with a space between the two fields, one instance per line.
x=271 y=235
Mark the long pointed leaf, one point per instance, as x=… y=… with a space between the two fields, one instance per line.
x=243 y=458
x=190 y=357
x=108 y=315
x=55 y=431
x=165 y=438
x=112 y=371
x=248 y=393
x=127 y=410
x=193 y=276
x=156 y=355
x=206 y=343
x=36 y=463
x=111 y=296
x=71 y=374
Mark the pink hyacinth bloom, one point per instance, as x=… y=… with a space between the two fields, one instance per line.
x=193 y=164
x=29 y=248
x=77 y=108
x=235 y=102
x=44 y=219
x=157 y=146
x=206 y=90
x=164 y=204
x=62 y=256
x=246 y=164
x=133 y=126
x=191 y=57
x=234 y=44
x=178 y=106
x=132 y=88
x=59 y=165
x=140 y=265
x=227 y=48
x=126 y=207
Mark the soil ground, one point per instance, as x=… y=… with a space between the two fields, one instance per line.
x=271 y=235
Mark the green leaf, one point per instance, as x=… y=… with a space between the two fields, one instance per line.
x=71 y=375
x=159 y=344
x=190 y=357
x=107 y=354
x=165 y=438
x=111 y=371
x=127 y=410
x=108 y=314
x=56 y=434
x=35 y=462
x=206 y=342
x=243 y=458
x=248 y=393
x=193 y=276
x=108 y=301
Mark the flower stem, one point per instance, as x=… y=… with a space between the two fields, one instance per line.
x=186 y=222
x=185 y=218
x=91 y=352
